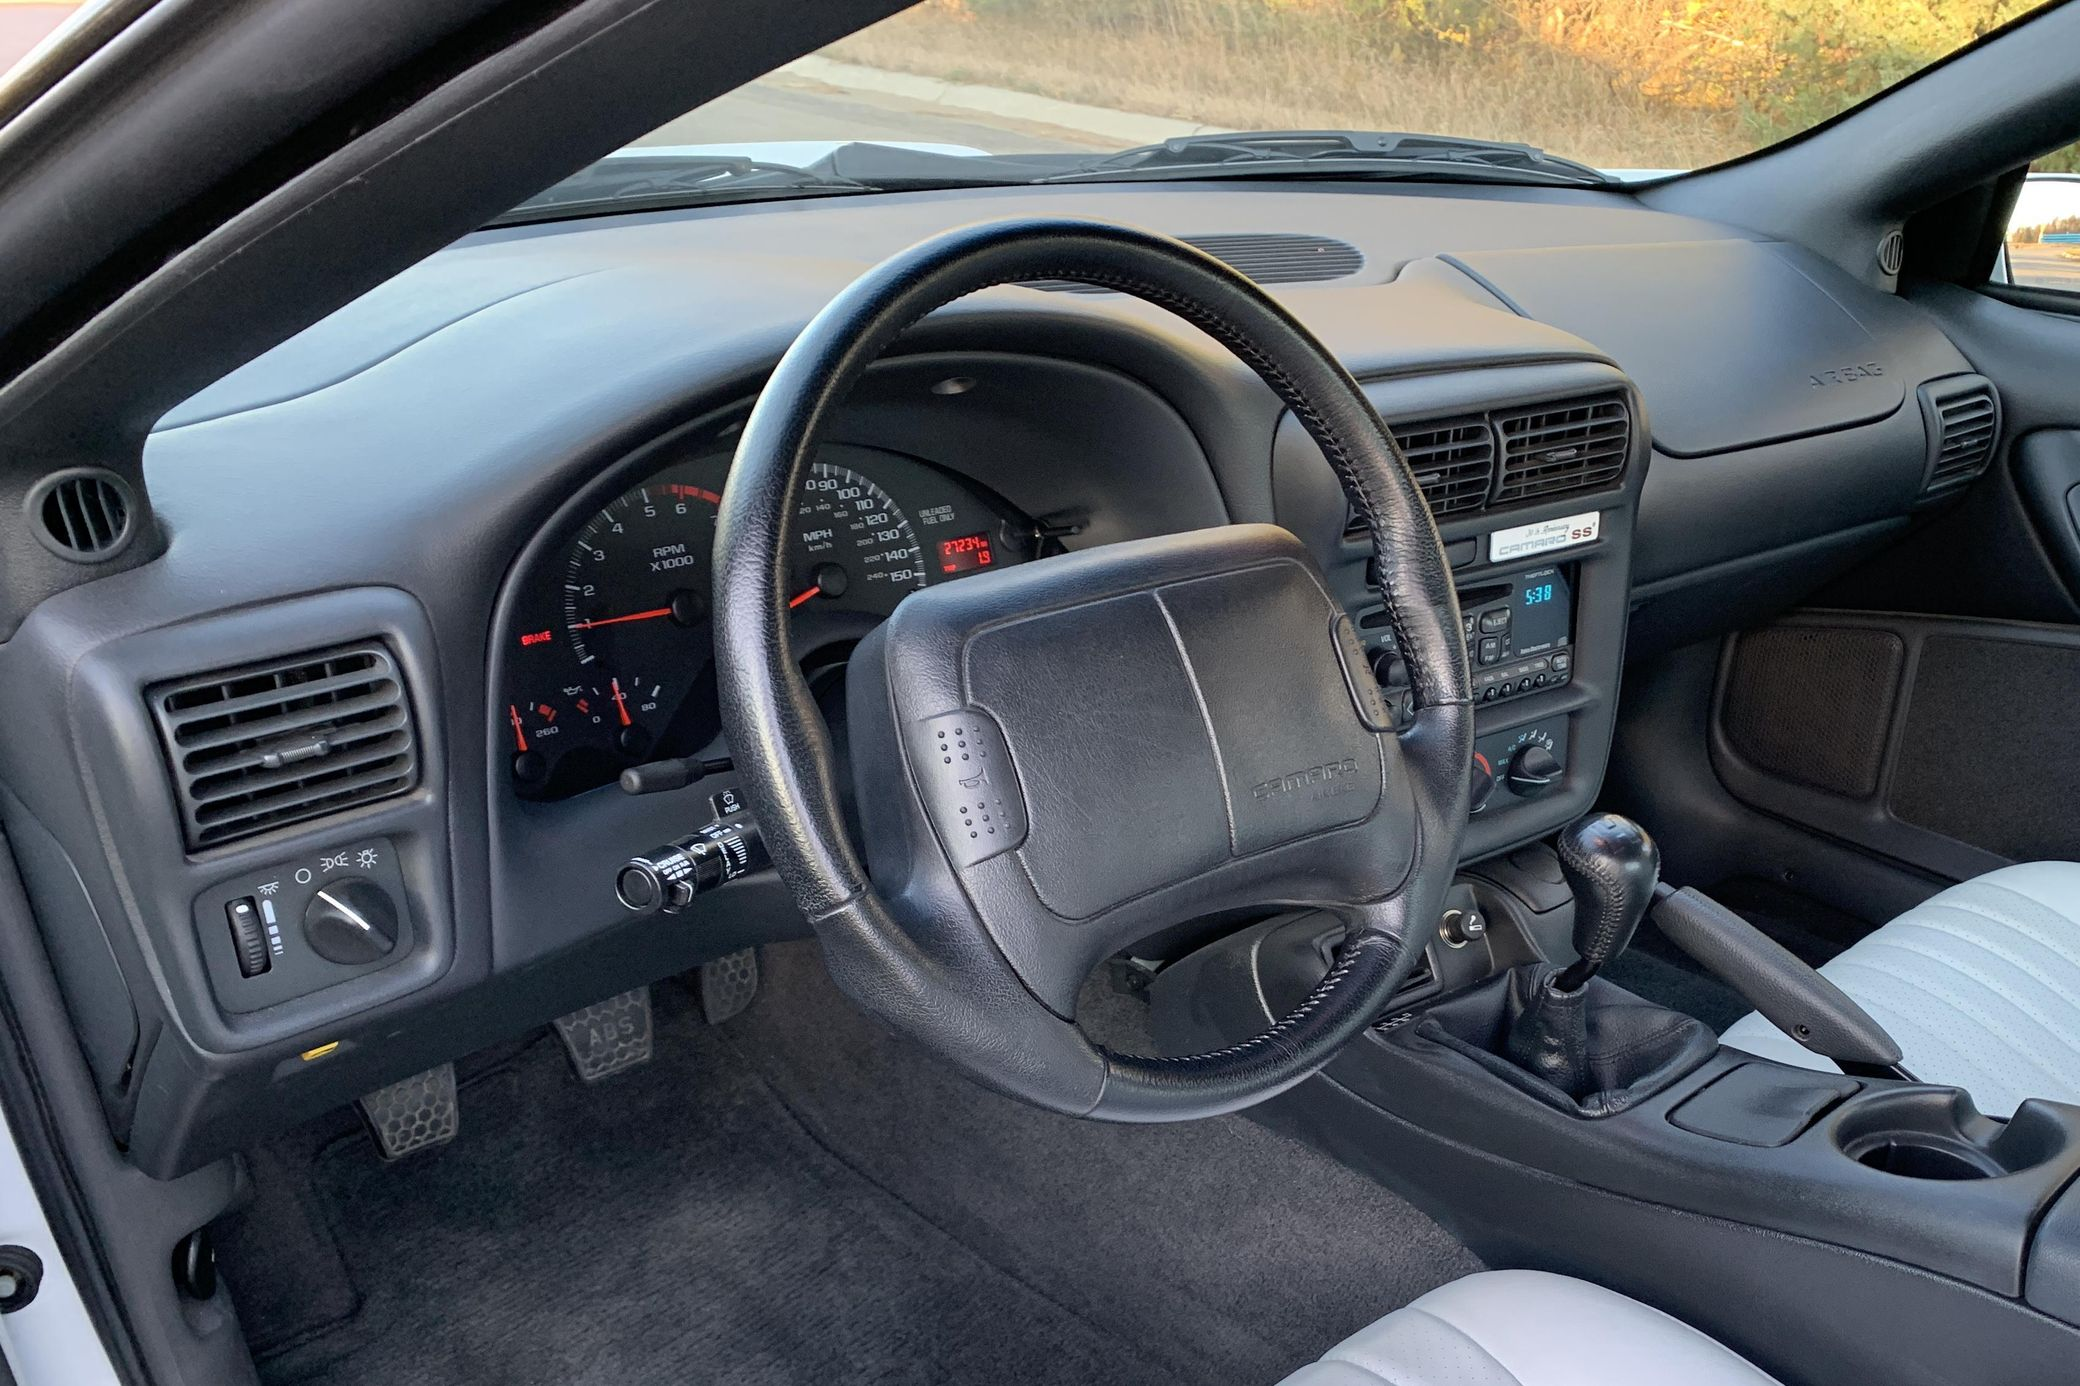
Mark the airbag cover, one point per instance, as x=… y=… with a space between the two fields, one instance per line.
x=1136 y=721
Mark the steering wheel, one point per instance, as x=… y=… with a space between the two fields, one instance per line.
x=1056 y=760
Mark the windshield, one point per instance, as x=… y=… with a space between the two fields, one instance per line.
x=960 y=91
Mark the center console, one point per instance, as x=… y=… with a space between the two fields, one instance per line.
x=1830 y=1226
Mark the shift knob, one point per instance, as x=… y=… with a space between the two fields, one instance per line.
x=1611 y=865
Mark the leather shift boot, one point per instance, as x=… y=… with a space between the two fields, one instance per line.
x=1549 y=1030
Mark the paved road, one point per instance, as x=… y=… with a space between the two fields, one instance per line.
x=785 y=107
x=2045 y=266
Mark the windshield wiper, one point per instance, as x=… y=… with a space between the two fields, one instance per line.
x=638 y=182
x=1333 y=153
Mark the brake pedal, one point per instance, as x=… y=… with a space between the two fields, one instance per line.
x=414 y=1114
x=607 y=1036
x=728 y=984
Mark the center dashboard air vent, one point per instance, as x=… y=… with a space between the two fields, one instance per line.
x=1554 y=448
x=266 y=745
x=1546 y=451
x=1453 y=461
x=1275 y=257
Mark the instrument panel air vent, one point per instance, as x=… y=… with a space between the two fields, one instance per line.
x=83 y=514
x=1275 y=257
x=266 y=745
x=1453 y=461
x=1963 y=420
x=1552 y=449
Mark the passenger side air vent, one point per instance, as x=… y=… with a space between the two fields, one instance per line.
x=1962 y=416
x=278 y=743
x=1554 y=448
x=1453 y=461
x=83 y=514
x=1276 y=257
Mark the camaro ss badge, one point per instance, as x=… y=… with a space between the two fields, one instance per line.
x=1327 y=781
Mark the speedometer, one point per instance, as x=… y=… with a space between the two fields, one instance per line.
x=852 y=543
x=611 y=656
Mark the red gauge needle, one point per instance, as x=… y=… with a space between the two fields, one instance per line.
x=620 y=703
x=518 y=735
x=617 y=620
x=798 y=598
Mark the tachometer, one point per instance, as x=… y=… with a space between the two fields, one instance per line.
x=635 y=608
x=852 y=543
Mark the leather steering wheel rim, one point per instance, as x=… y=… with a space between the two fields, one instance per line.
x=952 y=995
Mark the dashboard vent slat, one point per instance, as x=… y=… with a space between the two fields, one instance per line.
x=1551 y=449
x=1453 y=461
x=1963 y=419
x=1272 y=257
x=83 y=514
x=267 y=745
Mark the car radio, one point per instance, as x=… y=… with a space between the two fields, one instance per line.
x=1519 y=637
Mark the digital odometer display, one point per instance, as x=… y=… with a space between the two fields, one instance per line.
x=965 y=554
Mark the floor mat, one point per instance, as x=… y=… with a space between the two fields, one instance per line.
x=795 y=1197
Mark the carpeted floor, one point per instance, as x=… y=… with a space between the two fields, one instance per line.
x=796 y=1196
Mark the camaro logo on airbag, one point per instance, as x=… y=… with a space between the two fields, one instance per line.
x=1336 y=777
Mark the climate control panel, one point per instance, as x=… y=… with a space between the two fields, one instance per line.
x=1517 y=765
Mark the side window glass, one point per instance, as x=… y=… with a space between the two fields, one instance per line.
x=2043 y=250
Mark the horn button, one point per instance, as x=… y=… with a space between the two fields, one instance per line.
x=1116 y=740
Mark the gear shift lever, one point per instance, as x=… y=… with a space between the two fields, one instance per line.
x=1612 y=866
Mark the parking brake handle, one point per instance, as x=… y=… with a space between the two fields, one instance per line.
x=1788 y=993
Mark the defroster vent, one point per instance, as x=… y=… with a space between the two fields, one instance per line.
x=270 y=744
x=1272 y=257
x=1548 y=449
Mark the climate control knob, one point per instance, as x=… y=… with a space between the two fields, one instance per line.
x=1480 y=784
x=351 y=921
x=1533 y=771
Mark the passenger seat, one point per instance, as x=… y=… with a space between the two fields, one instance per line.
x=1980 y=987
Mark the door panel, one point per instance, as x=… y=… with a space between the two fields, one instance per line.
x=1945 y=744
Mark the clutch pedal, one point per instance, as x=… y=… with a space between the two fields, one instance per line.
x=418 y=1113
x=608 y=1036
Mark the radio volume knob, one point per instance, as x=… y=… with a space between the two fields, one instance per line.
x=1533 y=771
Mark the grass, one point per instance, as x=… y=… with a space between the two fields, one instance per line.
x=1311 y=67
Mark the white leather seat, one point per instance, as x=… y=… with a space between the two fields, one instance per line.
x=1528 y=1328
x=1980 y=986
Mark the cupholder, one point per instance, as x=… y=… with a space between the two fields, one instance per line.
x=1936 y=1133
x=1915 y=1155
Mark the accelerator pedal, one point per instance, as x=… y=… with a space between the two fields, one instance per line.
x=608 y=1036
x=727 y=984
x=415 y=1114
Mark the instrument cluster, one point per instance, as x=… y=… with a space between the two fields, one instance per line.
x=611 y=663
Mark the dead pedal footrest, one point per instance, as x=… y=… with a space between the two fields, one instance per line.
x=416 y=1113
x=607 y=1036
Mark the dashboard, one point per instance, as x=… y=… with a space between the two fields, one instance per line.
x=611 y=665
x=476 y=509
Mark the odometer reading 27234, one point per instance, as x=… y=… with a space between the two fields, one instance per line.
x=852 y=540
